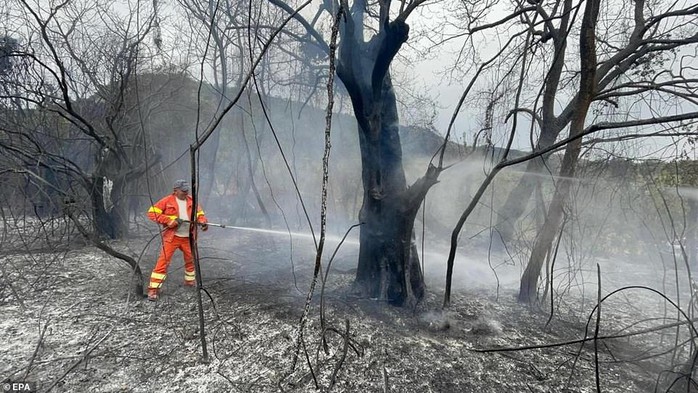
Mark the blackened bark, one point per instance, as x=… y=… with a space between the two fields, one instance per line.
x=119 y=211
x=387 y=251
x=388 y=267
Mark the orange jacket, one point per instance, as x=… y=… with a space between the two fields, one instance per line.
x=166 y=210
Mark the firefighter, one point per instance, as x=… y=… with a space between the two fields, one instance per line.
x=173 y=213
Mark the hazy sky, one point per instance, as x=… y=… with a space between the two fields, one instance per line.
x=448 y=91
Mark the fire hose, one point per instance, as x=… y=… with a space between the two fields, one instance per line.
x=211 y=224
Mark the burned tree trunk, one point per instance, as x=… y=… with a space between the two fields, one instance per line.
x=388 y=261
x=516 y=203
x=550 y=127
x=388 y=266
x=517 y=200
x=109 y=208
x=100 y=215
x=587 y=41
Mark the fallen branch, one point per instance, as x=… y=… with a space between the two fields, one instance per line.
x=345 y=349
x=583 y=340
x=137 y=283
x=36 y=351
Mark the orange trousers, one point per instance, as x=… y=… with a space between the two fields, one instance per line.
x=157 y=277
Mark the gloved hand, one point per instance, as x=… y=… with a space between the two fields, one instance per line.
x=204 y=227
x=174 y=223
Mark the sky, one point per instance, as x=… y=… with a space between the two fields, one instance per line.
x=426 y=73
x=447 y=91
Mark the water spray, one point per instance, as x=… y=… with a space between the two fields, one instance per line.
x=269 y=231
x=212 y=224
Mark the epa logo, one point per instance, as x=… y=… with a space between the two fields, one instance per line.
x=18 y=387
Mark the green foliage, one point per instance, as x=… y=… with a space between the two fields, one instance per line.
x=680 y=172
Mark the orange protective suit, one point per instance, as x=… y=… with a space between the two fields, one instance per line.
x=164 y=212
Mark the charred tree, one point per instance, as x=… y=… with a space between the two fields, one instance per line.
x=550 y=127
x=87 y=95
x=629 y=65
x=544 y=240
x=388 y=266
